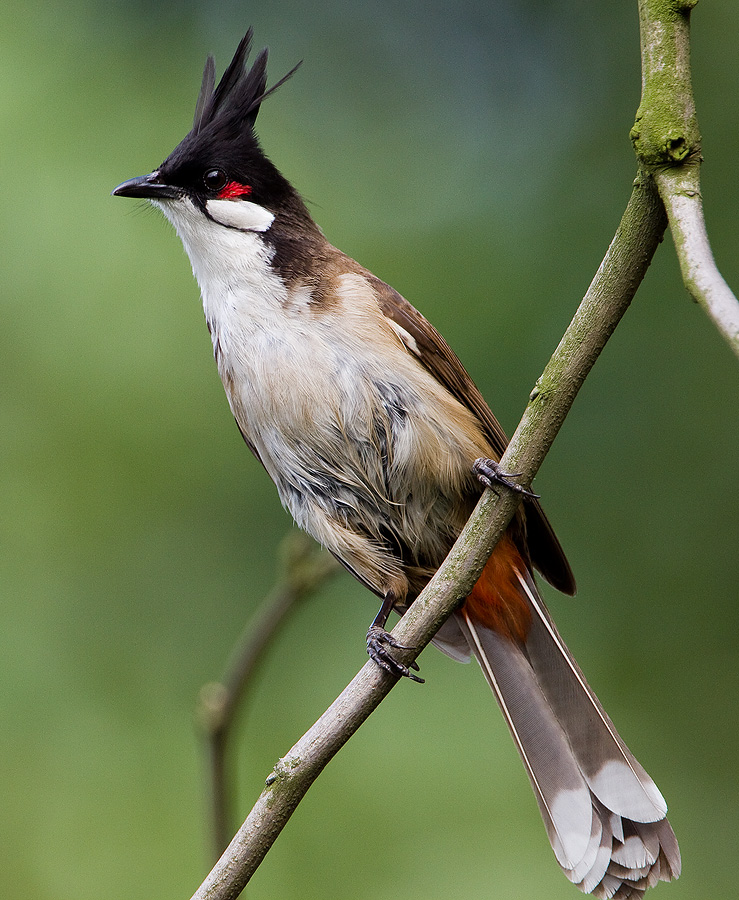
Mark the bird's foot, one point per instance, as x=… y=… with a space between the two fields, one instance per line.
x=378 y=641
x=488 y=473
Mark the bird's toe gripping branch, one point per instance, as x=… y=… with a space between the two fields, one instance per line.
x=489 y=474
x=378 y=642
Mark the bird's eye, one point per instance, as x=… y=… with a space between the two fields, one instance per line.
x=215 y=179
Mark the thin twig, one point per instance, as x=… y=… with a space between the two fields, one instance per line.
x=304 y=569
x=607 y=299
x=680 y=191
x=667 y=141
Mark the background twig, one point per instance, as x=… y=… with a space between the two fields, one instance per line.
x=304 y=569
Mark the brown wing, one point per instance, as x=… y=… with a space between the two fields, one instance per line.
x=436 y=355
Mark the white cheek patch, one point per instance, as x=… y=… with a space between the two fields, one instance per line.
x=240 y=214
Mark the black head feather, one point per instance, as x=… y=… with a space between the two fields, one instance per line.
x=236 y=100
x=206 y=90
x=223 y=134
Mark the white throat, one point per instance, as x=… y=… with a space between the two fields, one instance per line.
x=227 y=249
x=231 y=262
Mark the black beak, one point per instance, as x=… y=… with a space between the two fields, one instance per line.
x=149 y=187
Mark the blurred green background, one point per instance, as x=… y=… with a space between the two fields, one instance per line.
x=476 y=156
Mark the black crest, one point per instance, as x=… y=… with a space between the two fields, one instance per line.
x=234 y=104
x=222 y=136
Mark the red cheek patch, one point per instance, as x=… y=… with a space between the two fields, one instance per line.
x=232 y=190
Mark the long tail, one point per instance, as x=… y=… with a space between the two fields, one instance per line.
x=604 y=815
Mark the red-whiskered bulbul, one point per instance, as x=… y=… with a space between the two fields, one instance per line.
x=380 y=445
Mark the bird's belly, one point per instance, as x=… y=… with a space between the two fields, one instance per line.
x=372 y=457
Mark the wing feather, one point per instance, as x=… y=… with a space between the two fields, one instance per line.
x=429 y=347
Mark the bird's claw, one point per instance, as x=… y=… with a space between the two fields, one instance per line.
x=488 y=473
x=378 y=641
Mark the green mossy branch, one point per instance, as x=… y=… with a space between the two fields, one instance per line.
x=667 y=143
x=666 y=129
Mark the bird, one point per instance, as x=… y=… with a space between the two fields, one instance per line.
x=380 y=444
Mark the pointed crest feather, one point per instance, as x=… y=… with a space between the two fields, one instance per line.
x=206 y=90
x=240 y=91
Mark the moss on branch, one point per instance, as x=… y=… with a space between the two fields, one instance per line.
x=666 y=132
